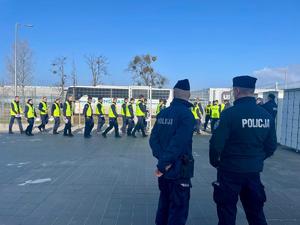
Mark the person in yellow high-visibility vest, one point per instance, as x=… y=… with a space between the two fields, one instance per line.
x=30 y=114
x=88 y=115
x=207 y=115
x=140 y=112
x=215 y=114
x=15 y=113
x=56 y=113
x=124 y=117
x=43 y=108
x=113 y=119
x=197 y=115
x=130 y=116
x=100 y=112
x=68 y=112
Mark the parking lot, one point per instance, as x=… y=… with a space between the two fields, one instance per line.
x=49 y=179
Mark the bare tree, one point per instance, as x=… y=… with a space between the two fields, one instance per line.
x=143 y=73
x=98 y=67
x=74 y=77
x=24 y=66
x=58 y=68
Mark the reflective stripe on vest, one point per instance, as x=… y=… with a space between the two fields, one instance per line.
x=111 y=113
x=123 y=113
x=89 y=111
x=45 y=108
x=12 y=113
x=215 y=112
x=68 y=109
x=138 y=110
x=56 y=111
x=30 y=112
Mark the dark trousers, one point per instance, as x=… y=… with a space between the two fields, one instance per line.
x=197 y=126
x=229 y=187
x=139 y=125
x=30 y=126
x=68 y=126
x=101 y=122
x=207 y=119
x=124 y=125
x=113 y=123
x=213 y=124
x=89 y=124
x=173 y=206
x=11 y=123
x=44 y=121
x=56 y=124
x=130 y=126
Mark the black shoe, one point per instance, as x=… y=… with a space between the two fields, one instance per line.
x=87 y=136
x=66 y=135
x=10 y=132
x=145 y=136
x=31 y=134
x=133 y=135
x=27 y=133
x=55 y=133
x=40 y=129
x=71 y=135
x=128 y=134
x=104 y=135
x=117 y=136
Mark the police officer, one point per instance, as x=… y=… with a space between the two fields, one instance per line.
x=68 y=112
x=222 y=106
x=259 y=101
x=15 y=113
x=113 y=119
x=100 y=112
x=171 y=144
x=197 y=115
x=43 y=108
x=55 y=113
x=140 y=112
x=271 y=105
x=215 y=111
x=245 y=137
x=130 y=116
x=88 y=115
x=30 y=114
x=207 y=115
x=123 y=114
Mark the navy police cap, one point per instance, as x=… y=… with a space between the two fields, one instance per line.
x=244 y=82
x=183 y=85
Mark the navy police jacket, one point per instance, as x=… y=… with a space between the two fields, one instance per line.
x=271 y=107
x=244 y=138
x=171 y=137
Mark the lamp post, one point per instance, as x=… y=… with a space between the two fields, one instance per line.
x=17 y=25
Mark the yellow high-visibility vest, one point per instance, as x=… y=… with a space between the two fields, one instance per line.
x=138 y=110
x=15 y=107
x=207 y=109
x=215 y=112
x=222 y=107
x=123 y=112
x=101 y=112
x=111 y=113
x=68 y=109
x=45 y=108
x=158 y=108
x=194 y=111
x=128 y=114
x=89 y=111
x=30 y=112
x=56 y=111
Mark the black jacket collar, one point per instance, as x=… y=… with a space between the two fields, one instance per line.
x=248 y=100
x=178 y=101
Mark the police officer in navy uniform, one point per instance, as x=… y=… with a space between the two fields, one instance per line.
x=88 y=115
x=171 y=144
x=244 y=138
x=271 y=105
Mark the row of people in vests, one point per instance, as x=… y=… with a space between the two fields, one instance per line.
x=30 y=114
x=127 y=112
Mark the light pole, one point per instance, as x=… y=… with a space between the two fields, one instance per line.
x=16 y=40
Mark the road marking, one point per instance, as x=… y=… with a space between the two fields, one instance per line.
x=38 y=181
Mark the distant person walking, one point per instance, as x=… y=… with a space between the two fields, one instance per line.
x=30 y=114
x=89 y=120
x=43 y=108
x=15 y=113
x=56 y=113
x=68 y=112
x=271 y=106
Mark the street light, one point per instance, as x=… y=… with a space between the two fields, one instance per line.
x=16 y=37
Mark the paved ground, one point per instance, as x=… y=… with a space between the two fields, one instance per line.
x=49 y=179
